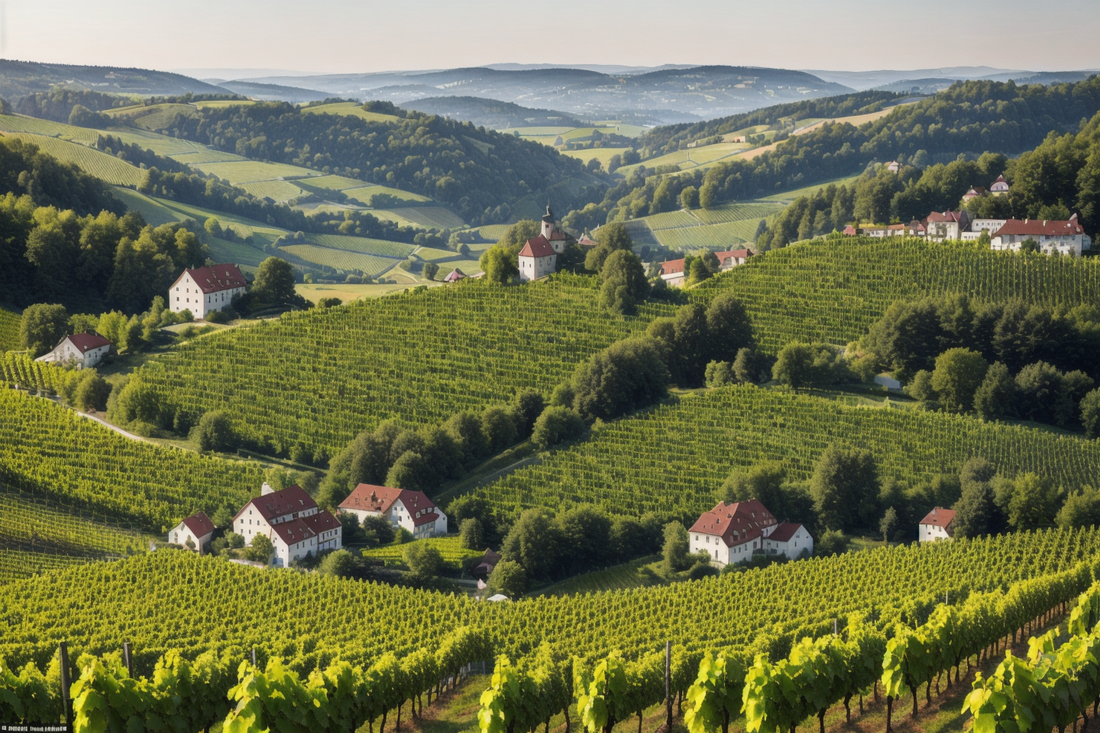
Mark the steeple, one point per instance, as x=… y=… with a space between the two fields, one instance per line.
x=548 y=223
x=549 y=214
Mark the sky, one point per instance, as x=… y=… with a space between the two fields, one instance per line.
x=339 y=36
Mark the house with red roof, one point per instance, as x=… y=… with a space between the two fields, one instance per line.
x=83 y=350
x=936 y=525
x=1063 y=237
x=412 y=510
x=672 y=272
x=732 y=533
x=946 y=225
x=733 y=258
x=194 y=532
x=999 y=187
x=291 y=519
x=973 y=193
x=455 y=276
x=552 y=233
x=205 y=289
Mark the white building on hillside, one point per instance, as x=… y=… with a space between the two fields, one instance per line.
x=937 y=525
x=197 y=528
x=292 y=521
x=948 y=225
x=85 y=350
x=731 y=533
x=205 y=290
x=537 y=259
x=732 y=258
x=552 y=233
x=412 y=510
x=672 y=272
x=1063 y=237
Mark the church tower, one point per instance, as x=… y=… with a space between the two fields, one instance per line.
x=548 y=223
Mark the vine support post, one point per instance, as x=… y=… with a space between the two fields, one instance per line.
x=126 y=657
x=253 y=656
x=668 y=686
x=834 y=627
x=66 y=703
x=889 y=712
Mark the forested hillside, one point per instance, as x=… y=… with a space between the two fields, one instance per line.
x=970 y=117
x=832 y=290
x=316 y=379
x=481 y=174
x=26 y=170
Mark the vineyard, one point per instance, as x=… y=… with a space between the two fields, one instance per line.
x=362 y=645
x=340 y=259
x=833 y=290
x=51 y=451
x=682 y=452
x=320 y=377
x=105 y=167
x=449 y=547
x=9 y=329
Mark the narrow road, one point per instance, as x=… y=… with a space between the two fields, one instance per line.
x=117 y=429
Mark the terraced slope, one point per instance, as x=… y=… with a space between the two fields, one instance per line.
x=319 y=377
x=9 y=330
x=674 y=457
x=834 y=290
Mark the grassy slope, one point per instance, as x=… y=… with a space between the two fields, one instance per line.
x=675 y=456
x=321 y=377
x=723 y=227
x=834 y=290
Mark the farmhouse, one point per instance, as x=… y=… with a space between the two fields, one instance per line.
x=973 y=193
x=733 y=258
x=455 y=276
x=893 y=166
x=205 y=289
x=291 y=520
x=732 y=533
x=85 y=350
x=193 y=532
x=948 y=225
x=412 y=510
x=937 y=525
x=672 y=272
x=537 y=259
x=1063 y=237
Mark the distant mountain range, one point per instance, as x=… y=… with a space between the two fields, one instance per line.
x=892 y=80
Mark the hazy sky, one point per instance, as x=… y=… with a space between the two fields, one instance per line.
x=367 y=35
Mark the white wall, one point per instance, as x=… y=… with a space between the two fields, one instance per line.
x=931 y=533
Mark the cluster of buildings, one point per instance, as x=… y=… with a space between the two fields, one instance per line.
x=539 y=256
x=1062 y=237
x=733 y=533
x=673 y=272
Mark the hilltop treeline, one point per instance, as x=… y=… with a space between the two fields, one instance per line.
x=1056 y=179
x=970 y=117
x=58 y=103
x=668 y=138
x=480 y=174
x=27 y=170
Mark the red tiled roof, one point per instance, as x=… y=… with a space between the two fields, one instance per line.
x=784 y=532
x=455 y=276
x=974 y=191
x=672 y=267
x=1038 y=227
x=936 y=217
x=850 y=230
x=735 y=523
x=370 y=498
x=85 y=341
x=279 y=503
x=558 y=235
x=305 y=528
x=586 y=241
x=216 y=278
x=424 y=518
x=199 y=524
x=940 y=517
x=537 y=247
x=738 y=253
x=1000 y=179
x=321 y=522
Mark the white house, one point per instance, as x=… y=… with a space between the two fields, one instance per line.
x=733 y=258
x=1064 y=237
x=85 y=350
x=412 y=510
x=292 y=521
x=948 y=225
x=893 y=166
x=197 y=528
x=977 y=226
x=205 y=290
x=731 y=533
x=937 y=525
x=672 y=272
x=537 y=259
x=999 y=187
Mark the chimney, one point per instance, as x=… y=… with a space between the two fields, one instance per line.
x=266 y=489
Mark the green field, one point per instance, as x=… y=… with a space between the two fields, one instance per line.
x=721 y=228
x=449 y=547
x=363 y=245
x=321 y=377
x=345 y=292
x=604 y=155
x=250 y=171
x=278 y=191
x=47 y=128
x=834 y=290
x=9 y=329
x=635 y=574
x=350 y=108
x=718 y=237
x=425 y=217
x=677 y=456
x=340 y=259
x=787 y=196
x=699 y=158
x=155 y=116
x=91 y=161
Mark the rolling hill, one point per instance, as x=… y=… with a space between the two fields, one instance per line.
x=20 y=78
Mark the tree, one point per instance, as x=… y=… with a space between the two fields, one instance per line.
x=556 y=425
x=260 y=549
x=223 y=517
x=676 y=547
x=424 y=560
x=844 y=479
x=689 y=197
x=627 y=375
x=471 y=534
x=719 y=374
x=377 y=530
x=958 y=375
x=832 y=542
x=90 y=392
x=508 y=578
x=996 y=397
x=585 y=530
x=42 y=327
x=499 y=265
x=751 y=366
x=1090 y=414
x=629 y=538
x=430 y=270
x=764 y=482
x=411 y=471
x=339 y=564
x=465 y=428
x=729 y=328
x=610 y=238
x=527 y=405
x=274 y=281
x=920 y=389
x=889 y=523
x=499 y=428
x=623 y=284
x=1033 y=504
x=795 y=365
x=535 y=543
x=214 y=432
x=976 y=513
x=1082 y=509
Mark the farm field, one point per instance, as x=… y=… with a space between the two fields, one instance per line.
x=449 y=547
x=154 y=116
x=788 y=196
x=340 y=259
x=604 y=155
x=343 y=370
x=699 y=158
x=345 y=292
x=9 y=329
x=617 y=467
x=819 y=291
x=51 y=451
x=350 y=108
x=720 y=228
x=102 y=166
x=280 y=191
x=252 y=171
x=47 y=128
x=635 y=574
